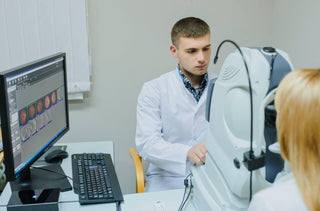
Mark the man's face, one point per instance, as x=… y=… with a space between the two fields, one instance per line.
x=193 y=54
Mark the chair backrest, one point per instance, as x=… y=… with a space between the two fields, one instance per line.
x=140 y=181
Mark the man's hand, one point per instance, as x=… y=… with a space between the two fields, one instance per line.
x=197 y=154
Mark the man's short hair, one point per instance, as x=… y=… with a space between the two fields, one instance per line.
x=189 y=27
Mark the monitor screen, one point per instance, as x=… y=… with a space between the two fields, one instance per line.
x=34 y=111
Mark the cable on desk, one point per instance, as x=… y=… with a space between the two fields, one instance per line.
x=186 y=184
x=61 y=202
x=190 y=189
x=118 y=205
x=43 y=169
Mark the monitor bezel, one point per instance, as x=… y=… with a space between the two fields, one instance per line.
x=11 y=175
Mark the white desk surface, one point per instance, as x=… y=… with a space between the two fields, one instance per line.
x=169 y=200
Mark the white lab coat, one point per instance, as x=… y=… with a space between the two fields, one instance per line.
x=282 y=196
x=169 y=123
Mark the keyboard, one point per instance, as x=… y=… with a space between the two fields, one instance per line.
x=94 y=178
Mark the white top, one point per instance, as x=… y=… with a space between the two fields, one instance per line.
x=284 y=195
x=169 y=123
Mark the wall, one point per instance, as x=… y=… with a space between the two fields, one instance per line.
x=295 y=29
x=129 y=43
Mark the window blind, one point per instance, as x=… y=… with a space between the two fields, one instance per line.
x=32 y=29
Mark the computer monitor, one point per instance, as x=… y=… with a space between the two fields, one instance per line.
x=34 y=116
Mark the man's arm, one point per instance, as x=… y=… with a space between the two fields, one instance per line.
x=151 y=145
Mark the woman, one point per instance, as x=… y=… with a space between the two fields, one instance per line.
x=298 y=124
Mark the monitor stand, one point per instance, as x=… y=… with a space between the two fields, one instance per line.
x=34 y=200
x=47 y=177
x=38 y=189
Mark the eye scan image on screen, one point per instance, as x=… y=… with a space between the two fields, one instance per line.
x=37 y=122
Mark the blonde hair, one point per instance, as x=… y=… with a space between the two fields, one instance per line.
x=298 y=124
x=189 y=27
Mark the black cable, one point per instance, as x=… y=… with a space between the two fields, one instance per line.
x=186 y=184
x=62 y=202
x=118 y=205
x=250 y=185
x=190 y=189
x=249 y=82
x=251 y=155
x=184 y=194
x=43 y=169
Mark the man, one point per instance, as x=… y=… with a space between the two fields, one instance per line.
x=171 y=109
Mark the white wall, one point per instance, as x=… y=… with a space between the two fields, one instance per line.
x=296 y=30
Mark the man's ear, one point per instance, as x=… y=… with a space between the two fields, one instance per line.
x=173 y=51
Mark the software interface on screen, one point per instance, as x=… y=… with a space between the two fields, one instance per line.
x=37 y=109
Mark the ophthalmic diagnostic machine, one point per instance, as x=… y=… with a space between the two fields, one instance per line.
x=243 y=153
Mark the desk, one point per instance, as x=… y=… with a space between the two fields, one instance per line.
x=141 y=201
x=69 y=200
x=170 y=200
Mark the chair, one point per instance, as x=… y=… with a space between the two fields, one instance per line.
x=140 y=181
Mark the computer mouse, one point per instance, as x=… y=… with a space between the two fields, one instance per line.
x=55 y=156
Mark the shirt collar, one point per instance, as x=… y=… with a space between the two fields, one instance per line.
x=196 y=93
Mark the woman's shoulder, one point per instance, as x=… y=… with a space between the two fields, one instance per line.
x=284 y=195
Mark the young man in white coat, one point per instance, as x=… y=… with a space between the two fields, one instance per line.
x=171 y=109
